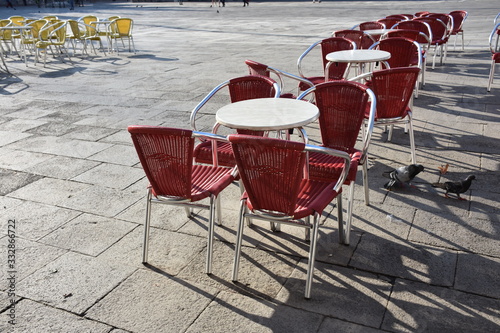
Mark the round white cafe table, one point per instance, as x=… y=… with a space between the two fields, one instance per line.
x=356 y=56
x=267 y=114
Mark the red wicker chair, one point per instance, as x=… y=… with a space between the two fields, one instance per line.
x=166 y=155
x=495 y=52
x=257 y=68
x=403 y=52
x=342 y=105
x=239 y=89
x=362 y=40
x=369 y=25
x=277 y=188
x=393 y=89
x=440 y=36
x=390 y=22
x=327 y=45
x=459 y=17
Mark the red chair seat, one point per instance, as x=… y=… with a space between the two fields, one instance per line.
x=328 y=168
x=496 y=57
x=313 y=197
x=314 y=79
x=207 y=180
x=203 y=154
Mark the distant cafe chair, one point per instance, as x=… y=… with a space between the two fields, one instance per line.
x=257 y=68
x=121 y=29
x=495 y=52
x=234 y=90
x=459 y=17
x=326 y=46
x=393 y=89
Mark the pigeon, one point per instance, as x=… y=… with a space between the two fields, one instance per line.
x=456 y=187
x=404 y=174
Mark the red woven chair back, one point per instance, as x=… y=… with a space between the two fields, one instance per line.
x=405 y=33
x=446 y=19
x=458 y=20
x=389 y=22
x=271 y=171
x=256 y=68
x=250 y=87
x=402 y=51
x=418 y=26
x=420 y=14
x=371 y=25
x=342 y=106
x=166 y=155
x=353 y=35
x=393 y=89
x=408 y=16
x=398 y=16
x=439 y=33
x=333 y=44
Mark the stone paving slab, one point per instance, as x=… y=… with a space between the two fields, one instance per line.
x=73 y=282
x=134 y=305
x=420 y=307
x=41 y=318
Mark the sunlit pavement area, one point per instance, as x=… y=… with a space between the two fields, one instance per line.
x=72 y=186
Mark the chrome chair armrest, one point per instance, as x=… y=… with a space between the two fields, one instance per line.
x=192 y=118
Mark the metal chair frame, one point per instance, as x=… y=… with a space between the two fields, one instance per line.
x=495 y=52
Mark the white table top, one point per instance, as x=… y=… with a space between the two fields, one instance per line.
x=358 y=56
x=267 y=114
x=377 y=32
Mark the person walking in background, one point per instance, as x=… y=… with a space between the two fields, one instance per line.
x=246 y=3
x=9 y=4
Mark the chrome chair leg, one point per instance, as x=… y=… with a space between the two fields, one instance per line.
x=312 y=256
x=340 y=218
x=239 y=238
x=210 y=242
x=365 y=182
x=412 y=140
x=347 y=231
x=145 y=244
x=492 y=73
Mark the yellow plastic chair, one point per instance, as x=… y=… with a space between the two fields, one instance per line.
x=91 y=32
x=18 y=20
x=121 y=28
x=77 y=35
x=52 y=36
x=31 y=37
x=51 y=18
x=6 y=37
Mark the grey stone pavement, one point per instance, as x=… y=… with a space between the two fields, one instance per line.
x=71 y=181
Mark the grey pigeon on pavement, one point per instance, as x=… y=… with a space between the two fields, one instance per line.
x=456 y=187
x=402 y=175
